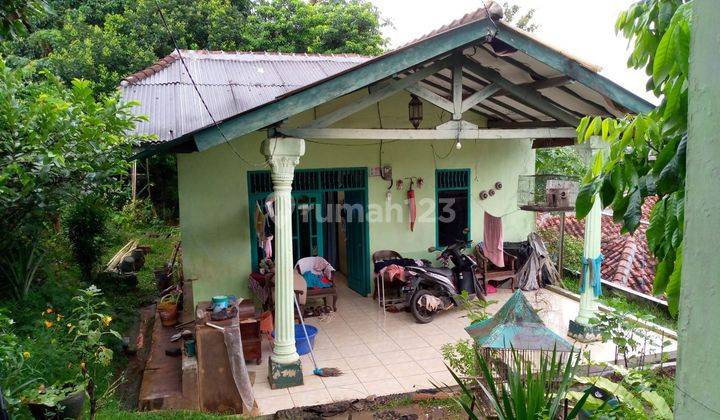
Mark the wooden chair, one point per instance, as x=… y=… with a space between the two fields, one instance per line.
x=321 y=293
x=492 y=273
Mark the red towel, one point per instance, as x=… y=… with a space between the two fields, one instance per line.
x=493 y=240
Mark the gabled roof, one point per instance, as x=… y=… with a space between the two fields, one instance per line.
x=244 y=99
x=516 y=325
x=230 y=82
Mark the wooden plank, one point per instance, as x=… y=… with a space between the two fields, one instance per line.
x=427 y=134
x=530 y=124
x=572 y=69
x=479 y=96
x=387 y=90
x=432 y=97
x=530 y=96
x=480 y=109
x=457 y=90
x=349 y=81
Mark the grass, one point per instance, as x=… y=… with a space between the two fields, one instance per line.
x=114 y=412
x=657 y=314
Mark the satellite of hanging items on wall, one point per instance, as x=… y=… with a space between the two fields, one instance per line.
x=485 y=194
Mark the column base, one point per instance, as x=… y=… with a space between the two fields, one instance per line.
x=583 y=333
x=282 y=375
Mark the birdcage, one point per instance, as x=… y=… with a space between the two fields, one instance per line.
x=547 y=192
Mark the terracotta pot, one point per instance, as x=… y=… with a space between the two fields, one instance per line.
x=168 y=312
x=71 y=407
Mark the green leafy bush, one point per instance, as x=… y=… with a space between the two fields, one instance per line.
x=573 y=250
x=529 y=392
x=86 y=224
x=460 y=357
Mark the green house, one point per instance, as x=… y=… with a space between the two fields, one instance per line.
x=326 y=126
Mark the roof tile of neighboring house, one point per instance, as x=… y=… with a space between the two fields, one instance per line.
x=628 y=260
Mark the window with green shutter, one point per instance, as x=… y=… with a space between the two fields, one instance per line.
x=452 y=203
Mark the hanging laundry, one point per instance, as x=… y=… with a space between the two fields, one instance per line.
x=493 y=240
x=267 y=247
x=393 y=272
x=259 y=222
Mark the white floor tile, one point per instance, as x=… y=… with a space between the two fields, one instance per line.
x=384 y=387
x=271 y=405
x=372 y=374
x=319 y=396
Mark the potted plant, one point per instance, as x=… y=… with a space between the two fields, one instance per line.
x=14 y=373
x=65 y=401
x=168 y=309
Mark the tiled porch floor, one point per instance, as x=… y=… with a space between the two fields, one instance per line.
x=392 y=354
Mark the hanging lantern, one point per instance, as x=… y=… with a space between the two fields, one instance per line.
x=415 y=111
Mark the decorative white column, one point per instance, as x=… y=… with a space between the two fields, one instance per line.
x=283 y=154
x=581 y=328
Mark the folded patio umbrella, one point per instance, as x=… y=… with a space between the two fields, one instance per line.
x=413 y=209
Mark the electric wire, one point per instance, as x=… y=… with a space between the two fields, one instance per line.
x=171 y=34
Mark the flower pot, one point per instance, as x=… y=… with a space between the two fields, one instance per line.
x=162 y=278
x=71 y=407
x=168 y=313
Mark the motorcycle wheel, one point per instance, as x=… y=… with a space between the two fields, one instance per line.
x=421 y=314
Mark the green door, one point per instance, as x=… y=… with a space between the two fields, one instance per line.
x=306 y=229
x=356 y=236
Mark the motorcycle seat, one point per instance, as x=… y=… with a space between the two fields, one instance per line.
x=437 y=270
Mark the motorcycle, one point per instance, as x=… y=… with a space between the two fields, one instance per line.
x=430 y=290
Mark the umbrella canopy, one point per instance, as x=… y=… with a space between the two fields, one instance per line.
x=516 y=325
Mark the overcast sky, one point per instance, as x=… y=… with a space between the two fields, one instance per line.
x=583 y=28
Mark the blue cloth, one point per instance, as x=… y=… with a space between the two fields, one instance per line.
x=595 y=282
x=314 y=281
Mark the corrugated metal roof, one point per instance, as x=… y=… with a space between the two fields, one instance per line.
x=230 y=83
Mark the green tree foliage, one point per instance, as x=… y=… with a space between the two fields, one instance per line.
x=647 y=151
x=56 y=145
x=323 y=26
x=15 y=16
x=103 y=41
x=86 y=224
x=562 y=160
x=524 y=21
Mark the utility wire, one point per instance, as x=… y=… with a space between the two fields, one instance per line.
x=197 y=90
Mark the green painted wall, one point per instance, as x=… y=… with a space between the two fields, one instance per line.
x=214 y=214
x=698 y=373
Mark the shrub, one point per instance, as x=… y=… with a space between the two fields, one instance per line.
x=573 y=251
x=86 y=223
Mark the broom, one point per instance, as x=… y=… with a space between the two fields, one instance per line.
x=324 y=372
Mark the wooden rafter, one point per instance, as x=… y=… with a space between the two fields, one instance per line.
x=486 y=112
x=479 y=96
x=384 y=91
x=428 y=134
x=532 y=97
x=432 y=97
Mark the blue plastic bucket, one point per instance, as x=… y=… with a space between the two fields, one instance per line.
x=301 y=344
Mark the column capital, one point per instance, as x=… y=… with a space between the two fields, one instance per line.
x=283 y=154
x=283 y=149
